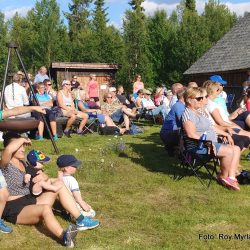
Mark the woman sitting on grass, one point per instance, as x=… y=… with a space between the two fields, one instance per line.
x=23 y=208
x=195 y=124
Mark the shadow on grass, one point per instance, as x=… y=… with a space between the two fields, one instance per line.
x=154 y=157
x=43 y=230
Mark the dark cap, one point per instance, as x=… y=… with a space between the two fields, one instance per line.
x=67 y=161
x=34 y=156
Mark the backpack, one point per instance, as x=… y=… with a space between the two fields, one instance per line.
x=244 y=177
x=134 y=130
x=109 y=130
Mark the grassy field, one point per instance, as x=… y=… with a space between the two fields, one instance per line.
x=129 y=182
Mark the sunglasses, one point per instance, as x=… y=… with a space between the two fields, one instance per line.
x=75 y=78
x=200 y=98
x=109 y=97
x=68 y=84
x=49 y=84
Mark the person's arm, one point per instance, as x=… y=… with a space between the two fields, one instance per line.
x=222 y=131
x=11 y=149
x=234 y=114
x=218 y=119
x=22 y=110
x=190 y=130
x=78 y=198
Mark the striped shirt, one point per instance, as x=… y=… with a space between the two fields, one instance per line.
x=202 y=124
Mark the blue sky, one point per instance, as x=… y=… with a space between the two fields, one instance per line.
x=116 y=8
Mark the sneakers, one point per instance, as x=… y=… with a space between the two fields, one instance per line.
x=87 y=223
x=67 y=133
x=39 y=138
x=228 y=182
x=55 y=137
x=91 y=213
x=5 y=228
x=69 y=235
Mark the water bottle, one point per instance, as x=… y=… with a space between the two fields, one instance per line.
x=202 y=138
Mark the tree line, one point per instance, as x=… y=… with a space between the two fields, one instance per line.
x=158 y=47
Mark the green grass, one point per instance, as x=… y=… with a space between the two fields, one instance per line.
x=139 y=204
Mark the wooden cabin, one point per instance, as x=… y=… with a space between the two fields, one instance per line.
x=65 y=70
x=229 y=57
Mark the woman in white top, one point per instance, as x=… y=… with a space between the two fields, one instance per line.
x=67 y=105
x=218 y=113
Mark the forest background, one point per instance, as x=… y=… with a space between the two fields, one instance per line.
x=159 y=47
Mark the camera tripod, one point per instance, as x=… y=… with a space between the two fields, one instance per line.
x=12 y=46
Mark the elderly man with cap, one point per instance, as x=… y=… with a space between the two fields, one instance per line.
x=149 y=105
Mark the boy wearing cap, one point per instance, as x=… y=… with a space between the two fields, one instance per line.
x=35 y=159
x=68 y=165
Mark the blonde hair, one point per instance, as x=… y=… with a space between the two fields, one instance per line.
x=212 y=87
x=158 y=91
x=206 y=83
x=191 y=93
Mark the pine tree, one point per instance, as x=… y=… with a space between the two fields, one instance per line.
x=78 y=17
x=3 y=49
x=191 y=5
x=136 y=44
x=50 y=41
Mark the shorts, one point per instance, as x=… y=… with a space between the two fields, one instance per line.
x=49 y=115
x=204 y=151
x=13 y=208
x=117 y=115
x=3 y=183
x=240 y=120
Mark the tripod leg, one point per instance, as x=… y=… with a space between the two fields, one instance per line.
x=5 y=78
x=37 y=103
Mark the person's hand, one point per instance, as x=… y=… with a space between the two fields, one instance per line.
x=230 y=140
x=27 y=141
x=40 y=177
x=230 y=131
x=27 y=178
x=39 y=109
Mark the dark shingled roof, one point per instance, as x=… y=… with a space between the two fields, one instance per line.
x=231 y=52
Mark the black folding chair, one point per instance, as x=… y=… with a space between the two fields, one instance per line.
x=192 y=163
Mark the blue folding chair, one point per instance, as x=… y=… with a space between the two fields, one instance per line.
x=229 y=102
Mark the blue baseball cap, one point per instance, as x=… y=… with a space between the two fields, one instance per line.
x=218 y=78
x=34 y=156
x=68 y=161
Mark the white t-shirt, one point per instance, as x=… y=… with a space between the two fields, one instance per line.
x=71 y=183
x=211 y=106
x=17 y=99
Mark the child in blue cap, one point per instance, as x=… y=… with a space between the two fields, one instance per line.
x=35 y=159
x=68 y=165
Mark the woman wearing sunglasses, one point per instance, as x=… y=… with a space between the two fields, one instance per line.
x=195 y=124
x=67 y=105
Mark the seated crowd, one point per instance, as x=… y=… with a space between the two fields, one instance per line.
x=27 y=194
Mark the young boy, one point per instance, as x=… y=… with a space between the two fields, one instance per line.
x=4 y=194
x=35 y=159
x=68 y=165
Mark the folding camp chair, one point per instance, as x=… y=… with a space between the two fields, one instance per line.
x=92 y=125
x=194 y=163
